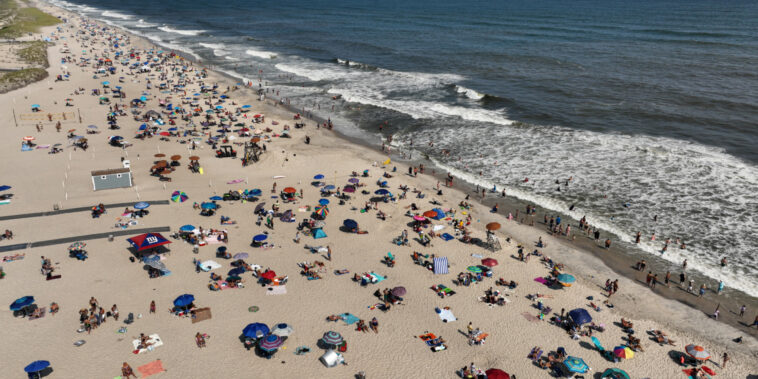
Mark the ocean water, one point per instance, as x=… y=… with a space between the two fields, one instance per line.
x=651 y=107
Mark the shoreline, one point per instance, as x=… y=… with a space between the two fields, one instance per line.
x=581 y=259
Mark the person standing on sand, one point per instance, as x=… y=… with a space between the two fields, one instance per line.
x=702 y=290
x=755 y=323
x=725 y=359
x=721 y=287
x=329 y=253
x=649 y=278
x=682 y=279
x=667 y=278
x=152 y=306
x=654 y=281
x=127 y=372
x=742 y=310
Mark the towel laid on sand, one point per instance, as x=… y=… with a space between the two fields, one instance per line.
x=152 y=368
x=446 y=315
x=276 y=290
x=155 y=339
x=349 y=319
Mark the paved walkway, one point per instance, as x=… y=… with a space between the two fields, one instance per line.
x=84 y=238
x=80 y=209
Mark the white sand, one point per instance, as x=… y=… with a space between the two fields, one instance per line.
x=40 y=180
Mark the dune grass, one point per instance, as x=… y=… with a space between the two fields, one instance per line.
x=17 y=79
x=34 y=53
x=20 y=21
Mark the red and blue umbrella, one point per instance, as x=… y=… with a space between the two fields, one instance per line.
x=332 y=338
x=270 y=343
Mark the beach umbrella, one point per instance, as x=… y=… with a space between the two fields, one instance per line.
x=353 y=180
x=255 y=330
x=382 y=192
x=260 y=237
x=430 y=214
x=332 y=338
x=246 y=106
x=187 y=228
x=165 y=134
x=398 y=291
x=241 y=256
x=233 y=278
x=615 y=373
x=208 y=206
x=623 y=352
x=259 y=207
x=495 y=373
x=148 y=241
x=698 y=352
x=269 y=275
x=255 y=192
x=289 y=190
x=329 y=188
x=5 y=188
x=493 y=226
x=419 y=218
x=77 y=246
x=566 y=279
x=282 y=330
x=36 y=366
x=35 y=105
x=348 y=189
x=28 y=138
x=216 y=198
x=184 y=300
x=270 y=343
x=318 y=177
x=440 y=214
x=580 y=316
x=474 y=269
x=141 y=205
x=324 y=201
x=350 y=224
x=194 y=158
x=92 y=126
x=576 y=365
x=175 y=157
x=22 y=302
x=236 y=271
x=321 y=211
x=489 y=262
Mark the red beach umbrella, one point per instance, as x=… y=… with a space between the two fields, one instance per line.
x=489 y=262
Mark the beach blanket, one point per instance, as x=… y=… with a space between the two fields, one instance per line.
x=212 y=239
x=235 y=181
x=276 y=290
x=378 y=277
x=447 y=236
x=3 y=202
x=540 y=280
x=349 y=319
x=446 y=315
x=440 y=265
x=155 y=339
x=14 y=257
x=201 y=314
x=209 y=265
x=42 y=312
x=152 y=368
x=479 y=256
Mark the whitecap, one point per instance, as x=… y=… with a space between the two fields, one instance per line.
x=169 y=29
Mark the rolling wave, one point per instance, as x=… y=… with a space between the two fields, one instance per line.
x=169 y=29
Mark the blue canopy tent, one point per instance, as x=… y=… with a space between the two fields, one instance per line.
x=440 y=214
x=318 y=233
x=148 y=241
x=580 y=316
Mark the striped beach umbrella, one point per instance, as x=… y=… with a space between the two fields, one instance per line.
x=321 y=211
x=474 y=269
x=615 y=373
x=77 y=246
x=623 y=352
x=179 y=197
x=566 y=279
x=698 y=352
x=332 y=338
x=576 y=365
x=270 y=343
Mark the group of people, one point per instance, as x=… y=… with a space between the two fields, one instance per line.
x=94 y=316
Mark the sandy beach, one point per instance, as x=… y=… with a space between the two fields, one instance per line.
x=54 y=183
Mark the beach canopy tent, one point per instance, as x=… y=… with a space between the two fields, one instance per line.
x=22 y=302
x=440 y=214
x=350 y=224
x=318 y=233
x=184 y=300
x=148 y=241
x=255 y=330
x=580 y=316
x=495 y=373
x=36 y=366
x=440 y=265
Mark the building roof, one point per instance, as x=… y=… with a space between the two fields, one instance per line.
x=110 y=171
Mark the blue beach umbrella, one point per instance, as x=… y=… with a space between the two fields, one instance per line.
x=576 y=365
x=141 y=205
x=260 y=238
x=209 y=206
x=350 y=224
x=184 y=300
x=187 y=228
x=270 y=343
x=36 y=366
x=580 y=316
x=255 y=330
x=256 y=192
x=236 y=271
x=5 y=188
x=382 y=191
x=216 y=198
x=143 y=98
x=22 y=302
x=318 y=177
x=324 y=201
x=566 y=279
x=246 y=106
x=35 y=105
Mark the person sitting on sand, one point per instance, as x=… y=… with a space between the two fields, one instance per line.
x=126 y=371
x=374 y=324
x=200 y=340
x=662 y=338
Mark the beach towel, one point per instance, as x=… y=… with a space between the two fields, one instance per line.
x=349 y=319
x=3 y=202
x=276 y=290
x=212 y=239
x=42 y=312
x=209 y=265
x=152 y=368
x=540 y=280
x=446 y=237
x=235 y=181
x=153 y=338
x=440 y=265
x=378 y=277
x=201 y=314
x=446 y=315
x=478 y=256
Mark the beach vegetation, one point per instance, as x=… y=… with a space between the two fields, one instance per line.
x=19 y=21
x=20 y=78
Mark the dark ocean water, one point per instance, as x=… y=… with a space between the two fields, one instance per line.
x=651 y=106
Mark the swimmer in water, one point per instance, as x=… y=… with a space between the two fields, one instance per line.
x=723 y=262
